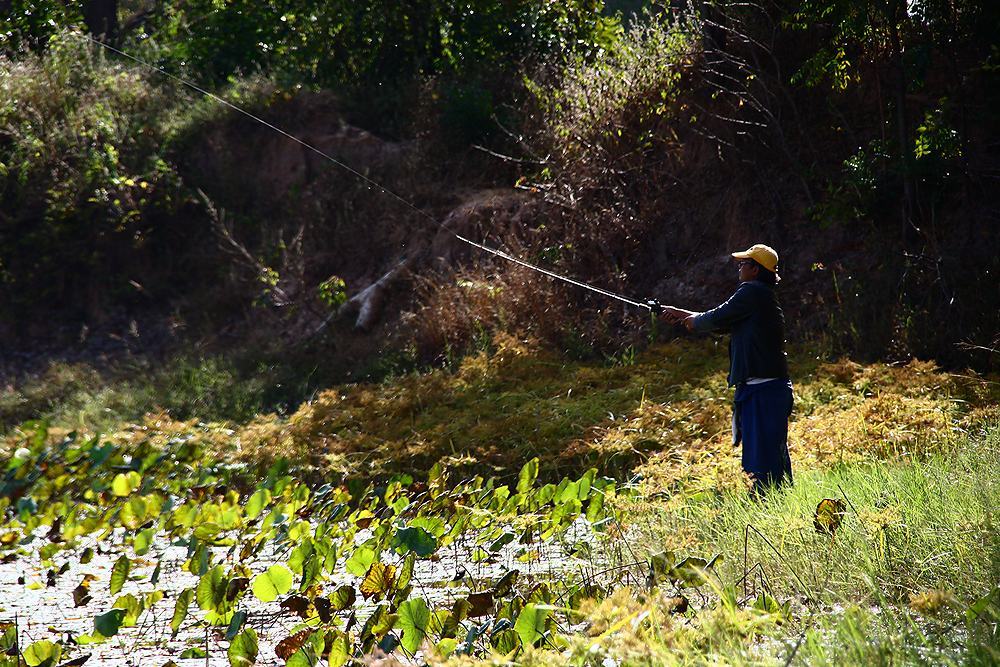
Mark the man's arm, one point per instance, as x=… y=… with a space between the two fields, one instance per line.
x=737 y=307
x=676 y=315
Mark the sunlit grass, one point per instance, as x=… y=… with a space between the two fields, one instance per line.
x=893 y=585
x=911 y=449
x=664 y=413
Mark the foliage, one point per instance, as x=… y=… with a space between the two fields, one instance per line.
x=855 y=32
x=317 y=530
x=601 y=120
x=83 y=177
x=320 y=552
x=29 y=24
x=336 y=42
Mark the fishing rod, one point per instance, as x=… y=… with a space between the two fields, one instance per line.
x=651 y=305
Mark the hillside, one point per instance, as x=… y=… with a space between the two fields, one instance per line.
x=637 y=166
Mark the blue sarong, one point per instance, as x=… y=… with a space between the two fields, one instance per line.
x=760 y=420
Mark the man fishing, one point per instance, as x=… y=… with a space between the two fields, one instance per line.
x=757 y=365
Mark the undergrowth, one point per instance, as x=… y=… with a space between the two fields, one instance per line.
x=657 y=408
x=909 y=450
x=906 y=578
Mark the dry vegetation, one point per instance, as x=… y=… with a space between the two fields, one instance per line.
x=665 y=409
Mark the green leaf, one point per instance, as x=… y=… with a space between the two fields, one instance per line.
x=692 y=571
x=406 y=572
x=505 y=642
x=768 y=605
x=181 y=610
x=360 y=561
x=132 y=607
x=108 y=624
x=239 y=618
x=211 y=590
x=660 y=565
x=119 y=573
x=414 y=539
x=125 y=483
x=42 y=654
x=502 y=541
x=526 y=478
x=304 y=657
x=505 y=583
x=595 y=506
x=447 y=646
x=986 y=608
x=566 y=491
x=243 y=649
x=207 y=532
x=257 y=502
x=267 y=586
x=133 y=512
x=586 y=483
x=342 y=598
x=379 y=622
x=8 y=636
x=340 y=649
x=530 y=624
x=414 y=617
x=432 y=524
x=143 y=541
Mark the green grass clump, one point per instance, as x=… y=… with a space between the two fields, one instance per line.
x=77 y=396
x=918 y=546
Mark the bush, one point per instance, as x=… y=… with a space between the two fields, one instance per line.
x=83 y=178
x=338 y=42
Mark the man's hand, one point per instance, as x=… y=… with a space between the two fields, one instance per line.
x=676 y=315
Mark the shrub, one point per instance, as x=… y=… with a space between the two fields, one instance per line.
x=83 y=177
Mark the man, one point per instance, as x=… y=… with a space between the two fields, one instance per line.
x=757 y=365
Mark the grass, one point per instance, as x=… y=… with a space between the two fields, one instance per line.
x=655 y=409
x=911 y=450
x=917 y=548
x=668 y=404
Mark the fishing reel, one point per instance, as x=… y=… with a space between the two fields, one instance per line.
x=655 y=307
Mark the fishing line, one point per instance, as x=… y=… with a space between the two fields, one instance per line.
x=652 y=306
x=551 y=274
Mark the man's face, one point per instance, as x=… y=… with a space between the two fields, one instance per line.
x=748 y=270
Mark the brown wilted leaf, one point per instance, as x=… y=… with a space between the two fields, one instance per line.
x=677 y=605
x=323 y=608
x=236 y=586
x=480 y=604
x=298 y=604
x=829 y=515
x=287 y=647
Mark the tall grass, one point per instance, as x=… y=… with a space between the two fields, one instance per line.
x=919 y=545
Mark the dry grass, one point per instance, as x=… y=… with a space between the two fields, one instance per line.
x=667 y=413
x=663 y=413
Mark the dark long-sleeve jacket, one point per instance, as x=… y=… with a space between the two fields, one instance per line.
x=754 y=318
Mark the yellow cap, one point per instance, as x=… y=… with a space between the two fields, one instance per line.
x=762 y=254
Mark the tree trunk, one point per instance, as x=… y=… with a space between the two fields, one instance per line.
x=101 y=18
